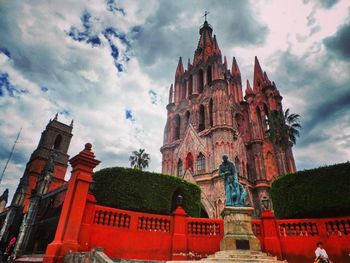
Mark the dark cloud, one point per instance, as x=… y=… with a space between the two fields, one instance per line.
x=86 y=35
x=129 y=115
x=6 y=88
x=167 y=35
x=113 y=7
x=324 y=3
x=326 y=104
x=153 y=96
x=44 y=89
x=340 y=42
x=5 y=51
x=109 y=33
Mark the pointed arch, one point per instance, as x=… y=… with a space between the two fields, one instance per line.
x=211 y=112
x=177 y=127
x=57 y=143
x=187 y=118
x=201 y=123
x=238 y=166
x=258 y=116
x=209 y=75
x=179 y=167
x=240 y=122
x=200 y=163
x=266 y=118
x=183 y=92
x=200 y=86
x=189 y=162
x=204 y=213
x=190 y=85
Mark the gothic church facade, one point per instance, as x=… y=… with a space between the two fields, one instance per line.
x=208 y=116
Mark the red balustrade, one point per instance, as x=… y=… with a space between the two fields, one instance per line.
x=83 y=225
x=295 y=239
x=204 y=236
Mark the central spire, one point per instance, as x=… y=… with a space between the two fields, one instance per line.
x=207 y=45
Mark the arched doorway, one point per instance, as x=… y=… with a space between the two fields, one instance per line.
x=204 y=213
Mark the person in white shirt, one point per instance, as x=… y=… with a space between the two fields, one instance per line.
x=321 y=254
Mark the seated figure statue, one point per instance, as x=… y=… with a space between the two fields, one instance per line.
x=234 y=192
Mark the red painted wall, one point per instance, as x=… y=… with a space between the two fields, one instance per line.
x=133 y=235
x=84 y=225
x=297 y=238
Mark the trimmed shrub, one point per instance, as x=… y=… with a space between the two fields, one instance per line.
x=141 y=191
x=320 y=192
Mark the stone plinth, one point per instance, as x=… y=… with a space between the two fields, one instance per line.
x=238 y=233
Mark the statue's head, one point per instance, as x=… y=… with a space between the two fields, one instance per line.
x=224 y=158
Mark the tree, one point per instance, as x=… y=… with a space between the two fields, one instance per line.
x=139 y=159
x=292 y=125
x=283 y=127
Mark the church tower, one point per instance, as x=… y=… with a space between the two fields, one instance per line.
x=50 y=156
x=54 y=139
x=208 y=116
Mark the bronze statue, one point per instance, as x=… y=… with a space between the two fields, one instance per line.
x=234 y=192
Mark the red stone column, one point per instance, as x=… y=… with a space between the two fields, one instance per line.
x=271 y=238
x=179 y=242
x=67 y=233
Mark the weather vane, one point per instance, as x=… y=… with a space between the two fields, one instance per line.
x=205 y=15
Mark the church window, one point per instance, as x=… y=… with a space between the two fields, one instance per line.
x=209 y=76
x=239 y=120
x=183 y=92
x=179 y=168
x=211 y=112
x=190 y=86
x=237 y=164
x=57 y=142
x=200 y=162
x=201 y=125
x=258 y=115
x=200 y=81
x=177 y=127
x=266 y=118
x=189 y=162
x=187 y=115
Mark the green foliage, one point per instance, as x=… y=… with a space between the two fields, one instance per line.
x=320 y=192
x=136 y=190
x=139 y=159
x=283 y=127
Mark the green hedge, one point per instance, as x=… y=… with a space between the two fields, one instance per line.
x=141 y=191
x=320 y=192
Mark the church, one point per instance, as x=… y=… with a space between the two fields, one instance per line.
x=208 y=117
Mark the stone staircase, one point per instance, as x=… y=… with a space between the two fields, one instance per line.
x=241 y=256
x=34 y=258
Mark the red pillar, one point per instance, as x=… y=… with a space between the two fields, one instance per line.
x=271 y=238
x=179 y=242
x=67 y=233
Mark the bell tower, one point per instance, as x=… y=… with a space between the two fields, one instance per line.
x=54 y=139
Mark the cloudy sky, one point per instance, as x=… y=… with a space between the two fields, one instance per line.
x=108 y=65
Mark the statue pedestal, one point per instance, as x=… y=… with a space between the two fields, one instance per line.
x=238 y=233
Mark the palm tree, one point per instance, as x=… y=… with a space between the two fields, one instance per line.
x=139 y=159
x=292 y=125
x=283 y=127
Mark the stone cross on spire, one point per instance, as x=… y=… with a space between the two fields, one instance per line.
x=205 y=15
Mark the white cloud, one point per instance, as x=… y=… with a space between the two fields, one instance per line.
x=82 y=79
